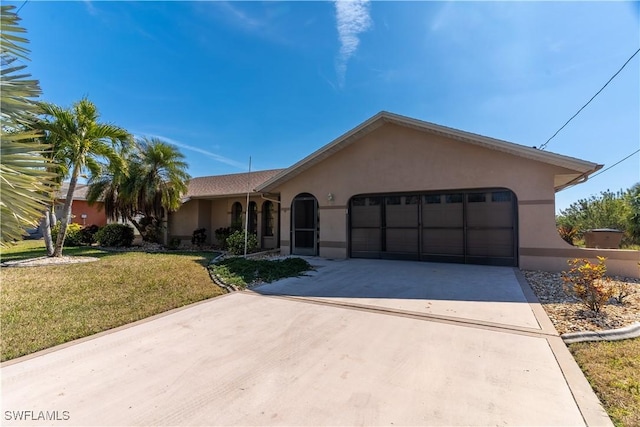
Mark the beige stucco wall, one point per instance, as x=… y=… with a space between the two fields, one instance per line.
x=395 y=158
x=212 y=214
x=184 y=220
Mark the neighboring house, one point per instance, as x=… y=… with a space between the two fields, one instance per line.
x=400 y=188
x=81 y=212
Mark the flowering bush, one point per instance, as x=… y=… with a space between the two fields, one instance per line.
x=585 y=280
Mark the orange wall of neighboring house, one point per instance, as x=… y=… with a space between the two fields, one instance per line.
x=95 y=214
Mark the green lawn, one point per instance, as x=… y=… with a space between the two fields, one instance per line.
x=49 y=305
x=243 y=272
x=613 y=369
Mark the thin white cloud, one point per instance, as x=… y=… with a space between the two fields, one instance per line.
x=352 y=18
x=241 y=17
x=90 y=7
x=214 y=156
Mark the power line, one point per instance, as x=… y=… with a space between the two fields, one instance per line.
x=542 y=147
x=20 y=8
x=615 y=164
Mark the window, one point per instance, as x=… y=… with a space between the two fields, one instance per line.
x=476 y=198
x=236 y=215
x=431 y=199
x=253 y=217
x=501 y=196
x=393 y=200
x=267 y=218
x=453 y=198
x=358 y=201
x=411 y=200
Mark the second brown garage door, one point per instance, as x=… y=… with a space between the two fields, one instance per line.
x=469 y=226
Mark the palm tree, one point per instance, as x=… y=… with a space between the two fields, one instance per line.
x=24 y=182
x=81 y=143
x=154 y=185
x=159 y=177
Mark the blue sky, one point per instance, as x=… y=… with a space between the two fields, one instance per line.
x=278 y=80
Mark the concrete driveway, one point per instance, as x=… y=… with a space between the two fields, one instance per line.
x=357 y=342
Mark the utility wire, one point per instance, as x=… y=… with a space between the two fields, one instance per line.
x=20 y=8
x=615 y=164
x=542 y=147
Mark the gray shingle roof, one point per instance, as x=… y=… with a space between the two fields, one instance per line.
x=227 y=185
x=201 y=187
x=80 y=192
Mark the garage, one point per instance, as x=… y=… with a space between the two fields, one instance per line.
x=465 y=226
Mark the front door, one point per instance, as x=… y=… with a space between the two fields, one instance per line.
x=304 y=219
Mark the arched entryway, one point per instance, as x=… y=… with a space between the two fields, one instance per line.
x=304 y=225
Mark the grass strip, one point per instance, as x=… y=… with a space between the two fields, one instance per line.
x=242 y=272
x=613 y=370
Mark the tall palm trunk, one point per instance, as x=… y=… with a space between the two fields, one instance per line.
x=66 y=212
x=45 y=226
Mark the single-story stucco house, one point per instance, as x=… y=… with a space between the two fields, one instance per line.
x=400 y=188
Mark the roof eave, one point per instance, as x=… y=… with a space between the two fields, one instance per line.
x=571 y=163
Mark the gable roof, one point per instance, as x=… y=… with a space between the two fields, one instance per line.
x=582 y=168
x=227 y=185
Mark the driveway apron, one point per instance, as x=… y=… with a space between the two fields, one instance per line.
x=356 y=342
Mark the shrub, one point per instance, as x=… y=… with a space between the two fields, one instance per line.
x=174 y=243
x=150 y=229
x=115 y=235
x=88 y=234
x=585 y=280
x=73 y=237
x=199 y=236
x=235 y=242
x=568 y=233
x=621 y=290
x=223 y=233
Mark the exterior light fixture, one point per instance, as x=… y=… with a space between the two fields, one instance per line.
x=330 y=197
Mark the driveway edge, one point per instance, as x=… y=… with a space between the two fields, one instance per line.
x=588 y=403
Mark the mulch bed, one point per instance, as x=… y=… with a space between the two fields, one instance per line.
x=568 y=314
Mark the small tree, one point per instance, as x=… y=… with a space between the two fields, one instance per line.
x=585 y=281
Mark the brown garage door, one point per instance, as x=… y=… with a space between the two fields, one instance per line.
x=470 y=226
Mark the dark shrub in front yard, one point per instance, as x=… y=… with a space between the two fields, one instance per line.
x=88 y=234
x=115 y=235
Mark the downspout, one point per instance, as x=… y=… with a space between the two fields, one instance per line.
x=266 y=198
x=578 y=180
